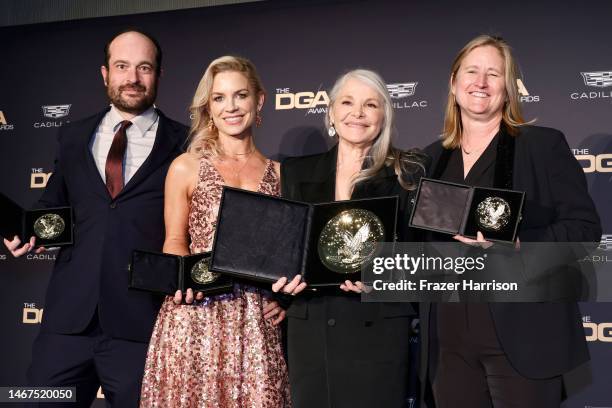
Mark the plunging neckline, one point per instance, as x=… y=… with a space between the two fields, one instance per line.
x=481 y=165
x=225 y=183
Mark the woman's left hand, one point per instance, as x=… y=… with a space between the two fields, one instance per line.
x=479 y=241
x=273 y=311
x=293 y=287
x=356 y=287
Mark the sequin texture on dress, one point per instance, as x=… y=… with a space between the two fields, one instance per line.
x=220 y=352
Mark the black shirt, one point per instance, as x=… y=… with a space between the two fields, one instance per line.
x=482 y=173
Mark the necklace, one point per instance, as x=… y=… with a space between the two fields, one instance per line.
x=241 y=154
x=236 y=172
x=468 y=152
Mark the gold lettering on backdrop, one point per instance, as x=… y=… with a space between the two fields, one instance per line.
x=521 y=88
x=32 y=315
x=39 y=180
x=301 y=100
x=601 y=163
x=598 y=332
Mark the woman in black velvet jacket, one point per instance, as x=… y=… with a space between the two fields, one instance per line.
x=342 y=352
x=494 y=354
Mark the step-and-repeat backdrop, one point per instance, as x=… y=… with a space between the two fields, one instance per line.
x=50 y=76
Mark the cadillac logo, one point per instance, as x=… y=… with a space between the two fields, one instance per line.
x=606 y=242
x=601 y=79
x=399 y=91
x=56 y=111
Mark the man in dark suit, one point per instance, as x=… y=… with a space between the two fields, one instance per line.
x=110 y=168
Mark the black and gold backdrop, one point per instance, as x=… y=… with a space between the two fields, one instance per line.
x=50 y=75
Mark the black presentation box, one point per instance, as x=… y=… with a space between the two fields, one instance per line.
x=453 y=208
x=52 y=227
x=166 y=273
x=262 y=238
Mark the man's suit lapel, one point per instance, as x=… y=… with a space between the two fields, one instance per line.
x=91 y=170
x=322 y=186
x=165 y=141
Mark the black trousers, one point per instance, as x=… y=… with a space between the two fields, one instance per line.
x=87 y=361
x=472 y=370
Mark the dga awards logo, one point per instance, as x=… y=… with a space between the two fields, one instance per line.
x=31 y=314
x=597 y=331
x=313 y=102
x=598 y=80
x=39 y=178
x=524 y=95
x=594 y=163
x=400 y=92
x=53 y=112
x=4 y=124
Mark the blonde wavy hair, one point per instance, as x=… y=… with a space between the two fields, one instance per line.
x=512 y=116
x=203 y=141
x=406 y=164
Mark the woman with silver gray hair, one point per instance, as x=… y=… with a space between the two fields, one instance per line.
x=342 y=352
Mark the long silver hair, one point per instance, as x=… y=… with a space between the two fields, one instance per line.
x=406 y=164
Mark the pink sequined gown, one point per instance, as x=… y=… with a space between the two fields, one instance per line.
x=220 y=352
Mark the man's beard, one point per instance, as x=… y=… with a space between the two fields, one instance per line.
x=134 y=106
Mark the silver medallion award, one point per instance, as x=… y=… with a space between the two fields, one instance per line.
x=49 y=226
x=349 y=240
x=493 y=213
x=201 y=274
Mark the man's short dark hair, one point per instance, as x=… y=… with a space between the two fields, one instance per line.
x=158 y=50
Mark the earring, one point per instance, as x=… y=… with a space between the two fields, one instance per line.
x=331 y=131
x=258 y=119
x=210 y=125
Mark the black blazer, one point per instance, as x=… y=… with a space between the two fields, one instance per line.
x=342 y=352
x=92 y=274
x=541 y=340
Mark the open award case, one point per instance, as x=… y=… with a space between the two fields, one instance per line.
x=453 y=208
x=262 y=238
x=52 y=227
x=166 y=273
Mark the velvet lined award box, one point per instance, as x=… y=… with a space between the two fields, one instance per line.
x=453 y=208
x=262 y=238
x=52 y=227
x=166 y=273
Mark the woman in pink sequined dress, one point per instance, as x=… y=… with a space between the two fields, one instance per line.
x=222 y=351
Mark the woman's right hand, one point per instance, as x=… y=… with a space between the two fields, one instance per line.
x=480 y=240
x=189 y=298
x=292 y=288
